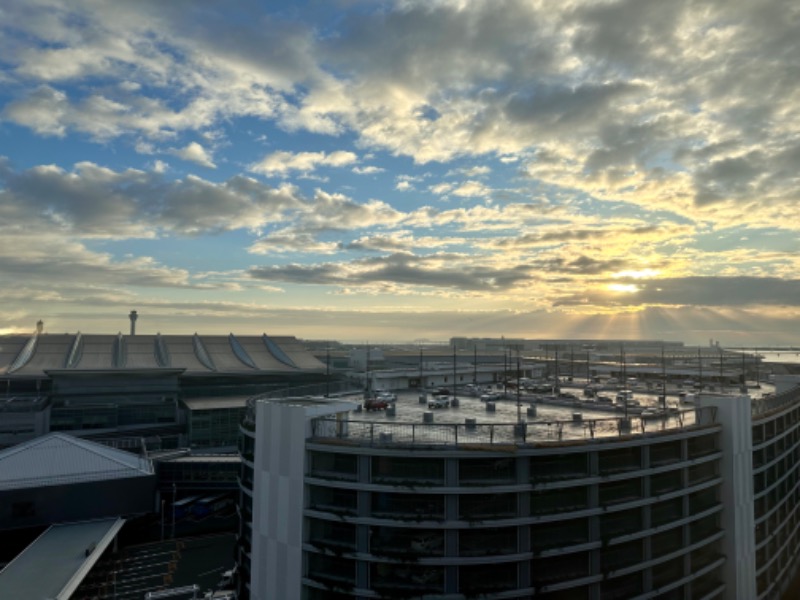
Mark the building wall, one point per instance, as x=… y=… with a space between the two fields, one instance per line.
x=215 y=428
x=23 y=425
x=605 y=520
x=30 y=507
x=776 y=492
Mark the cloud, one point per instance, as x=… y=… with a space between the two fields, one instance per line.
x=470 y=189
x=195 y=153
x=401 y=241
x=61 y=262
x=282 y=163
x=439 y=271
x=94 y=201
x=369 y=170
x=288 y=240
x=740 y=291
x=441 y=188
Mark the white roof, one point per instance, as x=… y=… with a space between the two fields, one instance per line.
x=56 y=563
x=57 y=459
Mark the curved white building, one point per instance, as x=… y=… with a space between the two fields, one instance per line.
x=701 y=505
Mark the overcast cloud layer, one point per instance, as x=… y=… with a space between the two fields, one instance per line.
x=403 y=170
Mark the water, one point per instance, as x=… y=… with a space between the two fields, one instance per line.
x=774 y=355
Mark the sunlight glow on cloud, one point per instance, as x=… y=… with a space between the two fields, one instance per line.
x=627 y=288
x=638 y=274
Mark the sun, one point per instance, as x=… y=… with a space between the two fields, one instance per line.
x=626 y=288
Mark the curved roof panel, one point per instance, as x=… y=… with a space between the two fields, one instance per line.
x=141 y=352
x=181 y=353
x=10 y=347
x=98 y=352
x=295 y=350
x=260 y=354
x=51 y=353
x=221 y=352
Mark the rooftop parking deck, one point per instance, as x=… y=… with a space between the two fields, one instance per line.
x=472 y=422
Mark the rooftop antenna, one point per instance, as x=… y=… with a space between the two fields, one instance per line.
x=455 y=387
x=133 y=316
x=557 y=389
x=420 y=368
x=699 y=369
x=328 y=370
x=624 y=378
x=519 y=400
x=663 y=379
x=367 y=386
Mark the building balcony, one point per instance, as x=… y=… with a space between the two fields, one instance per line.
x=545 y=469
x=667 y=572
x=665 y=453
x=407 y=471
x=625 y=522
x=487 y=507
x=557 y=569
x=332 y=500
x=477 y=580
x=492 y=542
x=666 y=512
x=392 y=580
x=333 y=536
x=560 y=534
x=483 y=471
x=618 y=557
x=559 y=501
x=664 y=483
x=393 y=542
x=332 y=572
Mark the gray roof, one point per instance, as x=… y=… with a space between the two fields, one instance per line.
x=54 y=565
x=57 y=459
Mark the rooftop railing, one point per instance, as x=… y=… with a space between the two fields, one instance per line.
x=331 y=389
x=466 y=435
x=766 y=404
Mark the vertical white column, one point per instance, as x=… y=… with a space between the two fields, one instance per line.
x=277 y=557
x=738 y=518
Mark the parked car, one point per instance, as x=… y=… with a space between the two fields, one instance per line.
x=439 y=402
x=375 y=404
x=386 y=396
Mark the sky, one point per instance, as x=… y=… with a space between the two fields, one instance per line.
x=402 y=170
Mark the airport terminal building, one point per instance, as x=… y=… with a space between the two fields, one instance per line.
x=175 y=391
